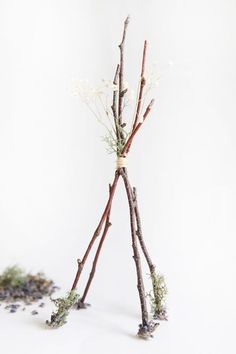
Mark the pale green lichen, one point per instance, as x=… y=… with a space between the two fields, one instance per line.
x=157 y=296
x=63 y=305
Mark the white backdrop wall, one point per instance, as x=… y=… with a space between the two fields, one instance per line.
x=54 y=171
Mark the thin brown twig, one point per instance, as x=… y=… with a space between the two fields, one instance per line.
x=114 y=106
x=97 y=231
x=140 y=234
x=91 y=275
x=121 y=74
x=135 y=130
x=142 y=84
x=136 y=256
x=159 y=311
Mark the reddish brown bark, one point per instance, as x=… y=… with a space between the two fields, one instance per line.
x=136 y=256
x=105 y=230
x=97 y=231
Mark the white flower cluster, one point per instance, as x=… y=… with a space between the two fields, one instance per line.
x=88 y=93
x=152 y=77
x=99 y=100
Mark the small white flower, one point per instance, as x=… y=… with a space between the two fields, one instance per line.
x=85 y=91
x=153 y=76
x=115 y=87
x=125 y=85
x=108 y=84
x=129 y=96
x=140 y=119
x=152 y=80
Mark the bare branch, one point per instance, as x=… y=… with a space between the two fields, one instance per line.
x=142 y=84
x=114 y=106
x=121 y=72
x=140 y=234
x=136 y=256
x=91 y=275
x=97 y=231
x=148 y=109
x=135 y=130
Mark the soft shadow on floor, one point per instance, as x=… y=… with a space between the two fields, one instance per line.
x=38 y=322
x=122 y=308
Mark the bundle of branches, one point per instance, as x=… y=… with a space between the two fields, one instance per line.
x=120 y=141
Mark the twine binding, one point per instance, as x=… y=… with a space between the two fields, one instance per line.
x=121 y=162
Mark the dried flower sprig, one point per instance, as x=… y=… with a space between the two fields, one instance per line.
x=98 y=98
x=113 y=144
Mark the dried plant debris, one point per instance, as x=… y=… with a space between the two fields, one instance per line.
x=157 y=296
x=146 y=331
x=12 y=307
x=63 y=305
x=18 y=286
x=34 y=312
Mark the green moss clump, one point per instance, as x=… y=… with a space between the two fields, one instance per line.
x=64 y=305
x=12 y=277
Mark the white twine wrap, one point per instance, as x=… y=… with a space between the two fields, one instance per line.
x=121 y=162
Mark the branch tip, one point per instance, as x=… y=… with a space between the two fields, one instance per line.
x=127 y=20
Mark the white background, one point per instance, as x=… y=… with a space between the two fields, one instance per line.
x=54 y=171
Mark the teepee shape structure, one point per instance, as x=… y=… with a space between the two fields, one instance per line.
x=123 y=144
